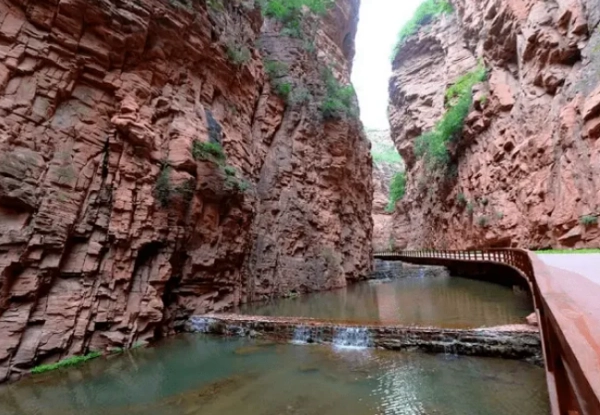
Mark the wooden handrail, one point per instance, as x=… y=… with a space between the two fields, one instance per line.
x=515 y=258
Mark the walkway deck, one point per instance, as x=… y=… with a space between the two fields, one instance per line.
x=568 y=308
x=587 y=265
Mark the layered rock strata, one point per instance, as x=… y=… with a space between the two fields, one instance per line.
x=117 y=221
x=524 y=171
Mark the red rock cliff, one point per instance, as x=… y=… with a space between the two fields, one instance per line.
x=526 y=166
x=111 y=230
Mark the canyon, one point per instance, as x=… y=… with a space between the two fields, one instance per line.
x=523 y=171
x=160 y=159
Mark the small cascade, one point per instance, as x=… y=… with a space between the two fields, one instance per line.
x=449 y=350
x=421 y=272
x=200 y=324
x=301 y=335
x=352 y=337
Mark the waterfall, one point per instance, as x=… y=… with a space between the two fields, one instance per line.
x=201 y=324
x=301 y=335
x=352 y=337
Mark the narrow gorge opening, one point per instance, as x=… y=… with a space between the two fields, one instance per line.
x=314 y=213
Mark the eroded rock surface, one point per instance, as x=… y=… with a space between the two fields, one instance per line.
x=386 y=164
x=524 y=172
x=111 y=231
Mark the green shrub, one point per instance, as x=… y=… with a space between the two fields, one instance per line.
x=483 y=221
x=163 y=188
x=470 y=208
x=339 y=100
x=588 y=220
x=233 y=182
x=425 y=14
x=208 y=151
x=276 y=69
x=289 y=12
x=300 y=95
x=229 y=171
x=71 y=361
x=397 y=190
x=461 y=199
x=433 y=144
x=237 y=54
x=500 y=215
x=283 y=89
x=215 y=5
x=464 y=85
x=484 y=201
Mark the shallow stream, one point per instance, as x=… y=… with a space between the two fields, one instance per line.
x=199 y=375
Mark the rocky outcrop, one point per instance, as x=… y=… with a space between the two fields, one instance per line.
x=386 y=163
x=119 y=216
x=524 y=172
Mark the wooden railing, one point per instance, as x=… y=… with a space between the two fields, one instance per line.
x=516 y=258
x=571 y=354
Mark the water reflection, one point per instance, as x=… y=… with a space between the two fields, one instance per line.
x=197 y=375
x=426 y=301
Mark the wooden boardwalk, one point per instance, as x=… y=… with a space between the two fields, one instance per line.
x=568 y=309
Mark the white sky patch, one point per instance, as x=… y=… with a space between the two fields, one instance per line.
x=380 y=22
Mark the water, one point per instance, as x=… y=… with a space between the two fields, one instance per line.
x=200 y=375
x=422 y=300
x=302 y=335
x=352 y=337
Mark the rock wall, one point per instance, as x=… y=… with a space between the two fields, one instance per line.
x=115 y=224
x=386 y=163
x=526 y=167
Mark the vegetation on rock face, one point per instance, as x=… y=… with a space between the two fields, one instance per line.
x=383 y=149
x=433 y=144
x=289 y=12
x=397 y=190
x=237 y=54
x=588 y=220
x=339 y=99
x=163 y=188
x=208 y=151
x=425 y=14
x=71 y=361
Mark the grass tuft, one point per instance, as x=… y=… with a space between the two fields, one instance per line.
x=71 y=361
x=569 y=251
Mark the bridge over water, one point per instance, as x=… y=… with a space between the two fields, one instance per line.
x=567 y=305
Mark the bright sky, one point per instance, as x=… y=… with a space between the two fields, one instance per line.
x=380 y=22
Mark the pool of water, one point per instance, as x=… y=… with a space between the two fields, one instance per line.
x=443 y=301
x=199 y=375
